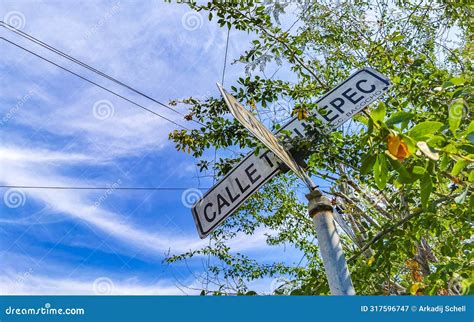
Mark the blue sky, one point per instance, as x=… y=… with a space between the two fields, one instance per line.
x=58 y=130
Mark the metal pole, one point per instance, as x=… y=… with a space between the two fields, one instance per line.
x=337 y=273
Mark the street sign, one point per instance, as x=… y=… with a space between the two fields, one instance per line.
x=263 y=134
x=339 y=104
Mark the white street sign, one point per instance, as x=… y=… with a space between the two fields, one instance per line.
x=263 y=134
x=340 y=104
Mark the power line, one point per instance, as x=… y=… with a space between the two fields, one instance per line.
x=96 y=84
x=222 y=82
x=104 y=88
x=99 y=188
x=225 y=56
x=57 y=51
x=75 y=60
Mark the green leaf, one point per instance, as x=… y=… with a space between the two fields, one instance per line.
x=447 y=84
x=367 y=163
x=424 y=130
x=456 y=112
x=458 y=166
x=457 y=80
x=426 y=186
x=360 y=118
x=444 y=162
x=470 y=127
x=397 y=36
x=469 y=148
x=437 y=141
x=404 y=175
x=418 y=170
x=380 y=171
x=378 y=114
x=399 y=117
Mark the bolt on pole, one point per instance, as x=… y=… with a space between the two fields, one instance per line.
x=337 y=273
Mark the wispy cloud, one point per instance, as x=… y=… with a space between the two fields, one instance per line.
x=29 y=283
x=19 y=165
x=58 y=130
x=17 y=155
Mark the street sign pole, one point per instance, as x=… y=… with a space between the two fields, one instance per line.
x=339 y=105
x=335 y=266
x=320 y=208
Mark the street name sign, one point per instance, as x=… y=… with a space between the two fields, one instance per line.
x=340 y=104
x=263 y=134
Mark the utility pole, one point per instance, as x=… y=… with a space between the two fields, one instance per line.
x=337 y=273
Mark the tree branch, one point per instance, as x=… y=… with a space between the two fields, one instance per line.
x=391 y=229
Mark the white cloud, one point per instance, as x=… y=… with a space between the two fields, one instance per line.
x=31 y=284
x=12 y=155
x=143 y=44
x=18 y=166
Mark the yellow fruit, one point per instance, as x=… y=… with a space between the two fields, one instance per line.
x=397 y=147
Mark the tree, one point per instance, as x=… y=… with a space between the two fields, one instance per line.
x=400 y=175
